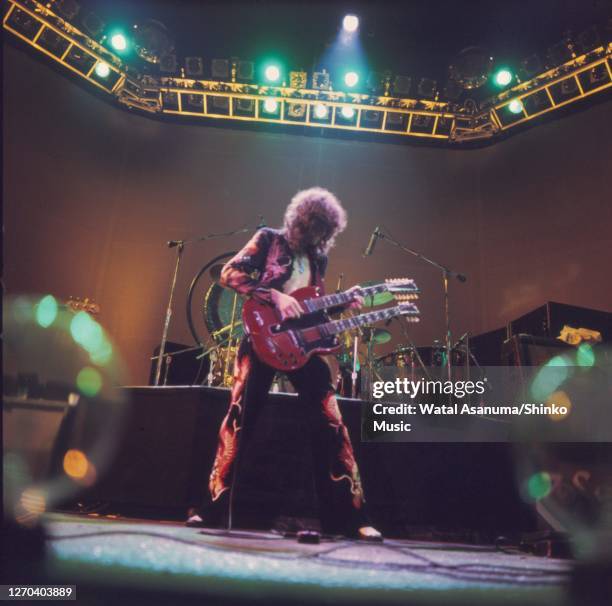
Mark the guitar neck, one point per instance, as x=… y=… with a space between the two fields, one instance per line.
x=336 y=326
x=327 y=301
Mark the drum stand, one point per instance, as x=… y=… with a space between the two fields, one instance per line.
x=180 y=246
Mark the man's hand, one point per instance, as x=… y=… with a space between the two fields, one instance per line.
x=287 y=305
x=357 y=302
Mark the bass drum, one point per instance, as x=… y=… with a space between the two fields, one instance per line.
x=220 y=305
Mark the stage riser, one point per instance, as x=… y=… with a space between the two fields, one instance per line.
x=169 y=440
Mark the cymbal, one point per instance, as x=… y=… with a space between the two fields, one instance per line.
x=378 y=299
x=379 y=336
x=215 y=271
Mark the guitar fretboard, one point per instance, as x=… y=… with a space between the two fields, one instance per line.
x=336 y=326
x=319 y=303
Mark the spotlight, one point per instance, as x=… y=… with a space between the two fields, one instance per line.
x=270 y=106
x=515 y=106
x=503 y=77
x=102 y=69
x=427 y=88
x=347 y=112
x=320 y=111
x=272 y=73
x=350 y=23
x=351 y=79
x=118 y=42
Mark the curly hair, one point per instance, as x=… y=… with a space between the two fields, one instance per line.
x=314 y=212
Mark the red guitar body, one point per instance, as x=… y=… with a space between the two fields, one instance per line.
x=287 y=345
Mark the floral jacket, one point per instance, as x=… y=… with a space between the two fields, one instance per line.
x=266 y=262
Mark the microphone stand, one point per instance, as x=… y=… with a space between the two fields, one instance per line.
x=446 y=273
x=180 y=246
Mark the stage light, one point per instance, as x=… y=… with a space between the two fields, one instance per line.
x=102 y=69
x=347 y=112
x=320 y=80
x=351 y=78
x=270 y=106
x=515 y=106
x=503 y=77
x=272 y=73
x=350 y=23
x=320 y=111
x=118 y=42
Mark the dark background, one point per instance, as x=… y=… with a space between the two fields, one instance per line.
x=92 y=193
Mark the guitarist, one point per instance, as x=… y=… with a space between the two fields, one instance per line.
x=273 y=264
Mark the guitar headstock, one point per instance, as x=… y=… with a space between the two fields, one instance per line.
x=410 y=311
x=402 y=289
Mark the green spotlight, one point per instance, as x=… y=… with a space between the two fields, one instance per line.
x=320 y=111
x=351 y=79
x=102 y=69
x=270 y=106
x=272 y=73
x=515 y=106
x=119 y=42
x=347 y=112
x=503 y=77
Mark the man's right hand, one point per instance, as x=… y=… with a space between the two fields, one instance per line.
x=288 y=306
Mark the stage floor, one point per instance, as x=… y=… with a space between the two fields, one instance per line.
x=245 y=566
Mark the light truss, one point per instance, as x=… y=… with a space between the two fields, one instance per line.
x=41 y=28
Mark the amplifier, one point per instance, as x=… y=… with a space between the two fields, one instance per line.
x=528 y=350
x=548 y=320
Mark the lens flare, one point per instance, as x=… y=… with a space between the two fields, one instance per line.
x=585 y=356
x=539 y=485
x=46 y=311
x=89 y=381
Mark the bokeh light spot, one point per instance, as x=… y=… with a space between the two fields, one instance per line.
x=559 y=398
x=585 y=356
x=539 y=485
x=46 y=311
x=549 y=377
x=33 y=501
x=75 y=464
x=89 y=381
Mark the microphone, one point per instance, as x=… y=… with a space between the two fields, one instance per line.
x=370 y=247
x=262 y=222
x=173 y=243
